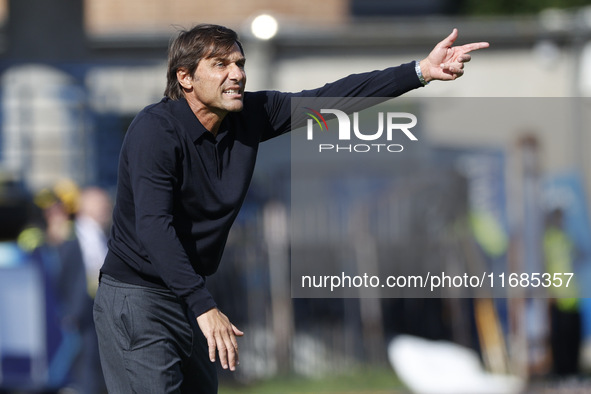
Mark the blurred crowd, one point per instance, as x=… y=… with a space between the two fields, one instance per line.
x=56 y=240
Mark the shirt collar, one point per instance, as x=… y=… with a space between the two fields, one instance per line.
x=183 y=112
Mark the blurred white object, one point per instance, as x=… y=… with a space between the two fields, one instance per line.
x=264 y=27
x=441 y=367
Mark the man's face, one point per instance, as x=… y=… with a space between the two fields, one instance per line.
x=218 y=83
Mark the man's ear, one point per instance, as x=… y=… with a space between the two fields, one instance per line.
x=185 y=78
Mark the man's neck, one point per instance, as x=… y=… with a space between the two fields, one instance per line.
x=209 y=119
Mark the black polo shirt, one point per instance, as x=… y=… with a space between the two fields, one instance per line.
x=180 y=187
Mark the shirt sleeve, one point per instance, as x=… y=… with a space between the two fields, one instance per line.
x=388 y=83
x=153 y=156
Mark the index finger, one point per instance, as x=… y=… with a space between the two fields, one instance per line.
x=473 y=46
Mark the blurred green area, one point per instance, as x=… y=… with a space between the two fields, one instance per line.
x=359 y=381
x=512 y=7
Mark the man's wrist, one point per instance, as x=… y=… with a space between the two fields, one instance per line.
x=420 y=74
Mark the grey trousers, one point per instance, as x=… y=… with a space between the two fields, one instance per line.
x=149 y=342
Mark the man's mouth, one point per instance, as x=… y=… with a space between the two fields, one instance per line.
x=232 y=92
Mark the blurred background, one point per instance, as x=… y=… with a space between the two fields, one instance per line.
x=512 y=198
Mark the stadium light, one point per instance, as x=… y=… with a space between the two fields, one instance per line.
x=264 y=27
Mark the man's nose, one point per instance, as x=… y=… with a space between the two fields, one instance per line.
x=237 y=73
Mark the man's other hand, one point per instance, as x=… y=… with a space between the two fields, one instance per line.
x=220 y=335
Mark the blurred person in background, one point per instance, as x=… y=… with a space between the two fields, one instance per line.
x=15 y=204
x=81 y=259
x=46 y=225
x=58 y=206
x=92 y=225
x=565 y=316
x=184 y=170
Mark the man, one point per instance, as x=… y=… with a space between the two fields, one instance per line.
x=81 y=259
x=565 y=315
x=92 y=223
x=185 y=167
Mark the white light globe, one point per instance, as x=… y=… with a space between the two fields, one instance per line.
x=264 y=27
